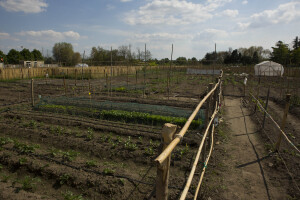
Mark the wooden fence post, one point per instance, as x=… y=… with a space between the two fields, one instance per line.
x=286 y=110
x=162 y=177
x=32 y=93
x=209 y=107
x=266 y=108
x=136 y=78
x=257 y=94
x=65 y=85
x=75 y=77
x=89 y=86
x=208 y=104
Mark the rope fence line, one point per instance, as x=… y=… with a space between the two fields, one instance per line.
x=280 y=129
x=188 y=184
x=170 y=141
x=205 y=163
x=162 y=157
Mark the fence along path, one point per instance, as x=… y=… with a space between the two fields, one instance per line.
x=163 y=160
x=280 y=129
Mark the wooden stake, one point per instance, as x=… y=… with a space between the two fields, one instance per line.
x=65 y=86
x=266 y=108
x=32 y=93
x=286 y=110
x=136 y=78
x=75 y=77
x=162 y=177
x=257 y=94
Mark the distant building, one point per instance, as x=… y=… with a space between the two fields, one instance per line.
x=32 y=63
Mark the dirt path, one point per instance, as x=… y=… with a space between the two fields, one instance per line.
x=247 y=163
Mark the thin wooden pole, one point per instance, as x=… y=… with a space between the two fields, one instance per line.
x=162 y=178
x=127 y=73
x=32 y=93
x=136 y=78
x=65 y=85
x=257 y=94
x=145 y=71
x=190 y=178
x=286 y=110
x=208 y=104
x=111 y=70
x=75 y=77
x=205 y=162
x=266 y=108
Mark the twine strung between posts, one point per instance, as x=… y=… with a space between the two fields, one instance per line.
x=160 y=159
x=190 y=178
x=288 y=140
x=205 y=163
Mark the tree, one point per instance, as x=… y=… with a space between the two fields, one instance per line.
x=101 y=56
x=49 y=60
x=255 y=58
x=280 y=53
x=181 y=61
x=2 y=57
x=296 y=43
x=13 y=57
x=148 y=55
x=76 y=58
x=63 y=53
x=37 y=55
x=124 y=51
x=139 y=53
x=26 y=55
x=296 y=56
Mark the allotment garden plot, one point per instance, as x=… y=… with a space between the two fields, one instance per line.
x=95 y=138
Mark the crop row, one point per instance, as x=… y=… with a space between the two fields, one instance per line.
x=120 y=115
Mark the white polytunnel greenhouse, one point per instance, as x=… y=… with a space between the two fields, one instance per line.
x=268 y=68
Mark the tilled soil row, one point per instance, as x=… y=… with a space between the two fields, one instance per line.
x=80 y=176
x=101 y=147
x=93 y=183
x=133 y=130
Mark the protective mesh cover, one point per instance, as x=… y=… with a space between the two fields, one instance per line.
x=126 y=106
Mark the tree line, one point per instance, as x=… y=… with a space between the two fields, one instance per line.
x=14 y=56
x=64 y=55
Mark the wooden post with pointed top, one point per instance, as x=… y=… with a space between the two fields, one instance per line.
x=162 y=177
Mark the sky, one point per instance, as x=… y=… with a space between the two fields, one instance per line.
x=193 y=27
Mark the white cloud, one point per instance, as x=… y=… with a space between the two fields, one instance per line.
x=173 y=12
x=284 y=13
x=229 y=13
x=210 y=34
x=51 y=35
x=245 y=2
x=7 y=36
x=26 y=6
x=110 y=7
x=163 y=36
x=4 y=35
x=126 y=0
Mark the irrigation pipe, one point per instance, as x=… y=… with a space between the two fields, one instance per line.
x=289 y=141
x=162 y=157
x=189 y=181
x=205 y=163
